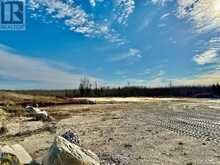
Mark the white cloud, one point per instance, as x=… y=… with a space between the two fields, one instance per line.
x=210 y=56
x=20 y=68
x=125 y=9
x=158 y=80
x=160 y=2
x=74 y=17
x=145 y=72
x=204 y=14
x=92 y=2
x=215 y=43
x=164 y=16
x=162 y=80
x=78 y=20
x=132 y=54
x=207 y=57
x=207 y=78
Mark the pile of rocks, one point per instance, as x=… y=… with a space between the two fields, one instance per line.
x=65 y=150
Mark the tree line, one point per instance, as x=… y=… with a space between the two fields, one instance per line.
x=87 y=89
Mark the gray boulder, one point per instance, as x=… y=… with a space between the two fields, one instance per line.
x=63 y=152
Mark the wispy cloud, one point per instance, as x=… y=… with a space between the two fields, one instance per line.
x=72 y=15
x=20 y=68
x=207 y=78
x=207 y=57
x=161 y=79
x=211 y=54
x=160 y=2
x=132 y=54
x=124 y=9
x=204 y=14
x=145 y=72
x=78 y=20
x=164 y=16
x=92 y=2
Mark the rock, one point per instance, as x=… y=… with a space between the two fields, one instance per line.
x=109 y=159
x=37 y=113
x=63 y=152
x=190 y=163
x=127 y=145
x=14 y=155
x=72 y=137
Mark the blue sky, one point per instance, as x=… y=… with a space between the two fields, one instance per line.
x=113 y=42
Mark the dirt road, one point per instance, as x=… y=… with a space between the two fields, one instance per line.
x=150 y=131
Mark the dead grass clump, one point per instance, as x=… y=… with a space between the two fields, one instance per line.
x=3 y=129
x=80 y=101
x=59 y=115
x=47 y=103
x=14 y=110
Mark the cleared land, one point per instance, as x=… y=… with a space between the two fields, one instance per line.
x=136 y=131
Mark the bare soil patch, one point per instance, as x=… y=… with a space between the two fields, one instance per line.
x=150 y=131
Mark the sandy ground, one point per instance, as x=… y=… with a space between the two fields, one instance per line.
x=136 y=131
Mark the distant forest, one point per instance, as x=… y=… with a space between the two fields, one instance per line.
x=86 y=89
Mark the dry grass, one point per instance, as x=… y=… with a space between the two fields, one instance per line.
x=61 y=114
x=3 y=130
x=13 y=103
x=10 y=99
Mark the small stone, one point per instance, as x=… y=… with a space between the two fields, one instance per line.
x=110 y=139
x=72 y=137
x=180 y=143
x=127 y=145
x=139 y=157
x=190 y=163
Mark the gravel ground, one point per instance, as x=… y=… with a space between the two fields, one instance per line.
x=154 y=131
